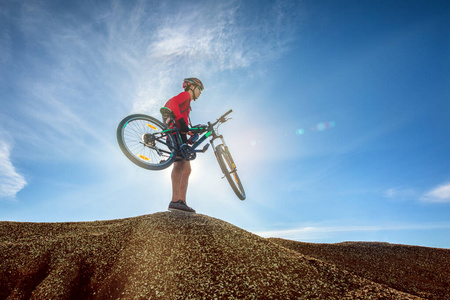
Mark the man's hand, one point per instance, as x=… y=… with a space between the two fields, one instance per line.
x=183 y=126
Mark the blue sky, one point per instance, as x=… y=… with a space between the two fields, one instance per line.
x=341 y=113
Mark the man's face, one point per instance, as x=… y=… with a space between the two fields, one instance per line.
x=197 y=92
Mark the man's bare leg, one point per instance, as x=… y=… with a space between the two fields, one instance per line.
x=185 y=180
x=180 y=179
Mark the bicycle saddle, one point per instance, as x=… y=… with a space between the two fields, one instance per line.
x=167 y=113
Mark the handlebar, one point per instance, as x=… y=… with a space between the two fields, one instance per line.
x=222 y=118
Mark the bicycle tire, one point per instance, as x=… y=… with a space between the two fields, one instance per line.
x=228 y=168
x=157 y=155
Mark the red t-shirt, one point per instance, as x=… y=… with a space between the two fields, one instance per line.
x=180 y=105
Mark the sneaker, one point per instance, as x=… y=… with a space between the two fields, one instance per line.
x=180 y=206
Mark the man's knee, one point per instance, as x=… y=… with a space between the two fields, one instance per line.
x=179 y=166
x=182 y=167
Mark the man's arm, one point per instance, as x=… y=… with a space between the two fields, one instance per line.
x=174 y=105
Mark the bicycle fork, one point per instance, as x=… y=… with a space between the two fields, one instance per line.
x=227 y=153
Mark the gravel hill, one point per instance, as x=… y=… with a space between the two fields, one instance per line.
x=171 y=256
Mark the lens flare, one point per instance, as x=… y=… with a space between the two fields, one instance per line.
x=322 y=126
x=300 y=131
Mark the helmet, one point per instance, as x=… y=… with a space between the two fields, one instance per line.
x=195 y=81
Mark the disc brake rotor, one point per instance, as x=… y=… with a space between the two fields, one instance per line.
x=149 y=140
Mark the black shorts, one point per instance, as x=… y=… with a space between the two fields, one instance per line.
x=179 y=158
x=184 y=139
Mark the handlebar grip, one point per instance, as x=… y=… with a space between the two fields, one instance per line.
x=227 y=113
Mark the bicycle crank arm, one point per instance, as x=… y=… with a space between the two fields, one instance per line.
x=204 y=149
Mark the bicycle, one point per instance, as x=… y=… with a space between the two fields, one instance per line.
x=152 y=145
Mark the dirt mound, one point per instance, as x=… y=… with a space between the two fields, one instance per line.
x=164 y=255
x=420 y=271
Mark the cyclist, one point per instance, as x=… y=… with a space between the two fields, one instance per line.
x=180 y=105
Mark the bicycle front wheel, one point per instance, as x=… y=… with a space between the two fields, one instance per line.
x=229 y=170
x=144 y=141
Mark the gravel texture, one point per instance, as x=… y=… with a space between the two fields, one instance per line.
x=170 y=256
x=420 y=271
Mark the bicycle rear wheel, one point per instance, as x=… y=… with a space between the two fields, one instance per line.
x=229 y=170
x=142 y=139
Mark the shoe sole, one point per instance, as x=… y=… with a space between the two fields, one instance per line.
x=181 y=211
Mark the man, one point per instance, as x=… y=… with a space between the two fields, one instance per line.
x=180 y=105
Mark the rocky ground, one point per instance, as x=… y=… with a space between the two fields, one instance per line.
x=420 y=271
x=176 y=256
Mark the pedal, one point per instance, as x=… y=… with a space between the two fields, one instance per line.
x=205 y=148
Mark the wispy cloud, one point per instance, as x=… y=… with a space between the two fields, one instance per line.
x=211 y=38
x=217 y=37
x=400 y=194
x=11 y=182
x=198 y=40
x=439 y=194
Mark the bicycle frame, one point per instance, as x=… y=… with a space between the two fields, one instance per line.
x=210 y=132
